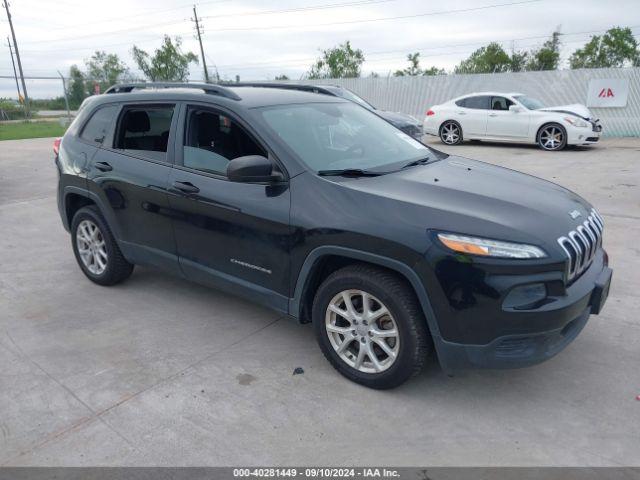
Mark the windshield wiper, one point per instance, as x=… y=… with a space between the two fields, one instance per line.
x=421 y=161
x=348 y=172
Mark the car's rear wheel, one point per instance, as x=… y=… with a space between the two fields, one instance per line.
x=552 y=137
x=370 y=326
x=451 y=133
x=96 y=250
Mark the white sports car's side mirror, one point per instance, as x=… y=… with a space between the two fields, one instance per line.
x=515 y=108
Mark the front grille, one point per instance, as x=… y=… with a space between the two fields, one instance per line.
x=581 y=244
x=592 y=139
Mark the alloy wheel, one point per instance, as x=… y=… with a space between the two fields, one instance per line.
x=450 y=133
x=362 y=331
x=551 y=138
x=91 y=247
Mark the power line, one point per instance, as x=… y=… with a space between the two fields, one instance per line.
x=301 y=9
x=347 y=22
x=380 y=19
x=140 y=14
x=423 y=49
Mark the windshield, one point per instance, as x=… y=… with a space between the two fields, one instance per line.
x=530 y=103
x=352 y=97
x=331 y=136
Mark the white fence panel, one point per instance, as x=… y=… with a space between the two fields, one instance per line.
x=414 y=95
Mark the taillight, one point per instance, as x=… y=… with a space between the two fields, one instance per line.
x=430 y=112
x=56 y=146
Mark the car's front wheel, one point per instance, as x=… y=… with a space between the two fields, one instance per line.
x=552 y=137
x=370 y=326
x=96 y=250
x=451 y=133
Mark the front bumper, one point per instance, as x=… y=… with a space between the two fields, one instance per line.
x=583 y=136
x=549 y=329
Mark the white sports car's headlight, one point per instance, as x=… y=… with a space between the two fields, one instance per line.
x=489 y=248
x=576 y=122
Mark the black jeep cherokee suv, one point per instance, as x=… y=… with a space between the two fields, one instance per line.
x=319 y=209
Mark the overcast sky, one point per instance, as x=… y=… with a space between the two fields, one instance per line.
x=259 y=39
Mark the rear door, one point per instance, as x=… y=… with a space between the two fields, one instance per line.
x=472 y=114
x=505 y=124
x=234 y=236
x=129 y=174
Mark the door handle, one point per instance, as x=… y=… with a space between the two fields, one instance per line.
x=493 y=114
x=186 y=187
x=462 y=113
x=103 y=166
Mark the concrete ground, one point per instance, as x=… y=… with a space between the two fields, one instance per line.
x=159 y=371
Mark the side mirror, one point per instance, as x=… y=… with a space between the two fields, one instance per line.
x=515 y=109
x=252 y=169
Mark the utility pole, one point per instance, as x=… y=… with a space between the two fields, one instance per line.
x=15 y=75
x=198 y=27
x=15 y=46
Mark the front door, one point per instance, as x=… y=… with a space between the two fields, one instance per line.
x=232 y=235
x=506 y=124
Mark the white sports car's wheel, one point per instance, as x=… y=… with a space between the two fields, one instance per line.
x=552 y=137
x=451 y=133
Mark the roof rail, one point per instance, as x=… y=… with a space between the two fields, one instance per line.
x=305 y=87
x=206 y=87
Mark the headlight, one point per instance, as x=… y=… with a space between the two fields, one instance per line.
x=489 y=248
x=576 y=122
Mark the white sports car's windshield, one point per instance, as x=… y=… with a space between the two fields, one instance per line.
x=336 y=136
x=530 y=103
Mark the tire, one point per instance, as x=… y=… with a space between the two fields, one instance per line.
x=450 y=133
x=409 y=347
x=101 y=259
x=547 y=140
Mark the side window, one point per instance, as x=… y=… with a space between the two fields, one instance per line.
x=479 y=103
x=500 y=103
x=144 y=130
x=461 y=102
x=98 y=125
x=212 y=139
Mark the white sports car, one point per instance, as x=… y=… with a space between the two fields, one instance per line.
x=511 y=117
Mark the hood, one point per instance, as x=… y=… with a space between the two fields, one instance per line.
x=575 y=109
x=398 y=119
x=476 y=198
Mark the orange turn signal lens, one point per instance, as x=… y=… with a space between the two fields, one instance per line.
x=464 y=247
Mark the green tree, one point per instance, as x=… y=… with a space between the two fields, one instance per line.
x=431 y=71
x=282 y=77
x=104 y=69
x=518 y=61
x=414 y=68
x=616 y=48
x=77 y=89
x=341 y=61
x=488 y=59
x=548 y=56
x=168 y=62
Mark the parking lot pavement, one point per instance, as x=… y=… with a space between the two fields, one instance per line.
x=159 y=371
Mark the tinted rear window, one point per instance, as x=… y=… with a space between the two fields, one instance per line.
x=144 y=130
x=98 y=125
x=480 y=102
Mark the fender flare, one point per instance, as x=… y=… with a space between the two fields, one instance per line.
x=106 y=212
x=399 y=267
